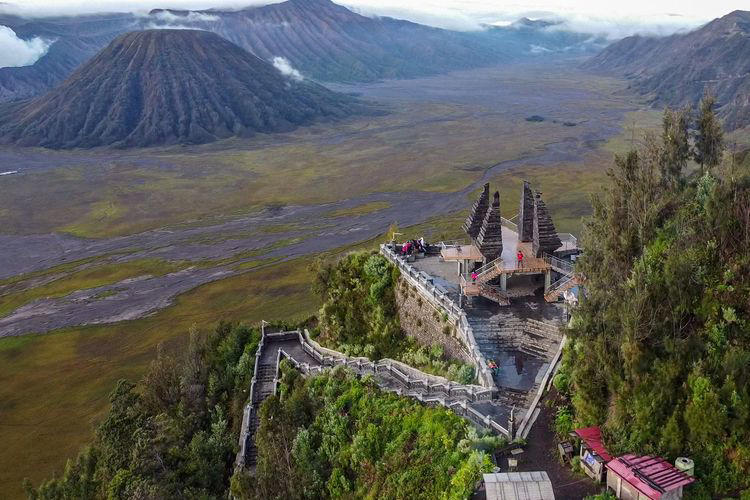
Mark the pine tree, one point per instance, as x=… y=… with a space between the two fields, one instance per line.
x=676 y=141
x=709 y=139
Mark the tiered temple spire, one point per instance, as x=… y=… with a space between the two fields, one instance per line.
x=545 y=238
x=490 y=238
x=474 y=221
x=526 y=214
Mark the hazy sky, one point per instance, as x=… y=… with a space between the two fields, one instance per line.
x=615 y=18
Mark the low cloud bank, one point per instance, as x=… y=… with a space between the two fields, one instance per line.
x=285 y=68
x=647 y=17
x=651 y=17
x=15 y=51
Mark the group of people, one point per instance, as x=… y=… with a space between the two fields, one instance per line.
x=413 y=246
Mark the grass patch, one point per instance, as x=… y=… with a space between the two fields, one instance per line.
x=54 y=387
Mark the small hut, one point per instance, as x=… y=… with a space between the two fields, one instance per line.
x=631 y=477
x=594 y=456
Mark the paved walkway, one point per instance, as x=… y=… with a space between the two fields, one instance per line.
x=483 y=407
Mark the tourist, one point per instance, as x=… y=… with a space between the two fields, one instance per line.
x=519 y=255
x=474 y=277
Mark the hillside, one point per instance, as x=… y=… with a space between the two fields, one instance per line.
x=169 y=86
x=659 y=346
x=325 y=41
x=676 y=70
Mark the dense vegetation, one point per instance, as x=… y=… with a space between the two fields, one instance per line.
x=359 y=315
x=661 y=343
x=335 y=436
x=174 y=434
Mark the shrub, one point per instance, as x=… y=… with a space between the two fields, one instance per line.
x=563 y=421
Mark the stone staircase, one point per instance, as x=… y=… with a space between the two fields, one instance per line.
x=533 y=337
x=483 y=406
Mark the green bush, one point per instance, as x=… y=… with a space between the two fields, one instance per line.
x=563 y=421
x=335 y=435
x=359 y=316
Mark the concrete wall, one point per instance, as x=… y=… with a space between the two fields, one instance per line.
x=427 y=324
x=440 y=299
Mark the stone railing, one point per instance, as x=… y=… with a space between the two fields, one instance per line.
x=562 y=266
x=409 y=377
x=509 y=224
x=249 y=408
x=532 y=412
x=426 y=388
x=440 y=299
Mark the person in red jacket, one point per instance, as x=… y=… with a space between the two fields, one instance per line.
x=519 y=255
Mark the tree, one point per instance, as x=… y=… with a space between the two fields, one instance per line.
x=709 y=138
x=676 y=144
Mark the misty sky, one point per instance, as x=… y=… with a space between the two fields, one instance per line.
x=616 y=19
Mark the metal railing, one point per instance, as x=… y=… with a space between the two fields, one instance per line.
x=509 y=223
x=559 y=265
x=488 y=266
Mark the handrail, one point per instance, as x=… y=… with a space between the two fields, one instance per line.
x=562 y=265
x=559 y=283
x=488 y=266
x=510 y=224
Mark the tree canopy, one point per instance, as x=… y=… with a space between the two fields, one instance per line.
x=336 y=436
x=173 y=435
x=661 y=341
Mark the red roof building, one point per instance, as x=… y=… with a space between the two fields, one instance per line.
x=592 y=436
x=632 y=477
x=594 y=456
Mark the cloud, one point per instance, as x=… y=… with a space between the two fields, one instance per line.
x=538 y=49
x=285 y=68
x=168 y=17
x=597 y=17
x=15 y=51
x=652 y=17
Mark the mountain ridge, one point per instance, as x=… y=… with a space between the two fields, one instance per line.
x=678 y=69
x=324 y=40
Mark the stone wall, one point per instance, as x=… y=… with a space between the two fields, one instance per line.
x=426 y=324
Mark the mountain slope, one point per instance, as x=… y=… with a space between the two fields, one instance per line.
x=169 y=86
x=324 y=40
x=677 y=69
x=331 y=43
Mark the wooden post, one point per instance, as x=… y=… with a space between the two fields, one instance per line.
x=547 y=280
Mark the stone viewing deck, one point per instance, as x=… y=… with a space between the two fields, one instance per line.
x=502 y=309
x=523 y=339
